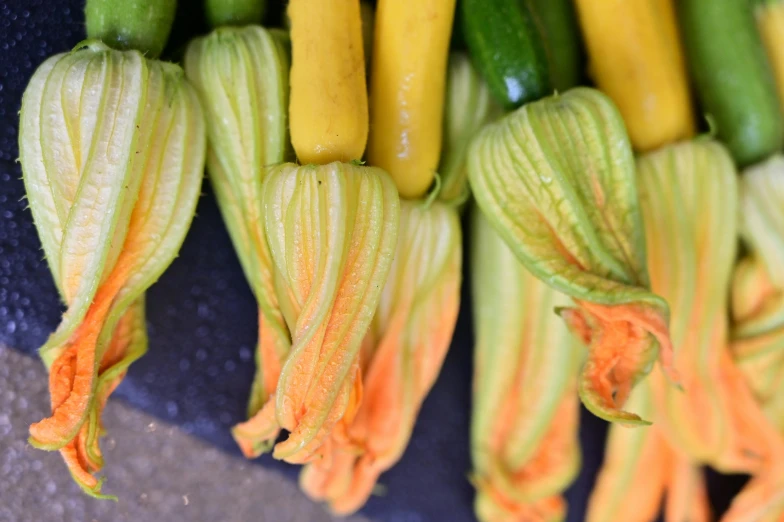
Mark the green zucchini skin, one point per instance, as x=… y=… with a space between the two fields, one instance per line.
x=507 y=48
x=732 y=77
x=563 y=41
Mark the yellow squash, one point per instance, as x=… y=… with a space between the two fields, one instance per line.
x=410 y=53
x=770 y=22
x=328 y=108
x=636 y=58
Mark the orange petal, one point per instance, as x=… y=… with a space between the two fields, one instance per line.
x=623 y=347
x=73 y=377
x=687 y=494
x=331 y=230
x=256 y=435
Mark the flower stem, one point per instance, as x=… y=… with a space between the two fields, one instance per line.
x=143 y=25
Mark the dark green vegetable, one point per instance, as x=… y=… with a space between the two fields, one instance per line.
x=507 y=48
x=558 y=22
x=732 y=77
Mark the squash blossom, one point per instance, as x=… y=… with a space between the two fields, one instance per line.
x=112 y=148
x=524 y=425
x=331 y=229
x=556 y=179
x=241 y=75
x=688 y=193
x=404 y=350
x=688 y=199
x=758 y=327
x=412 y=328
x=758 y=286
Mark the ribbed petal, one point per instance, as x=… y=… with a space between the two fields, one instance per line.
x=556 y=179
x=332 y=231
x=411 y=333
x=525 y=413
x=688 y=193
x=241 y=74
x=758 y=339
x=112 y=149
x=758 y=285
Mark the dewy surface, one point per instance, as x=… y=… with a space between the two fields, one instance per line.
x=196 y=376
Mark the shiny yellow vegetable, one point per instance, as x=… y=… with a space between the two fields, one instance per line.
x=328 y=108
x=636 y=58
x=408 y=76
x=770 y=22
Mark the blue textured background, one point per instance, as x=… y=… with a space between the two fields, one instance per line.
x=202 y=316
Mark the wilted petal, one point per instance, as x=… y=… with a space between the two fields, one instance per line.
x=524 y=417
x=332 y=231
x=556 y=179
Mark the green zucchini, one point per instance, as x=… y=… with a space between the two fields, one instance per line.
x=507 y=48
x=732 y=76
x=558 y=23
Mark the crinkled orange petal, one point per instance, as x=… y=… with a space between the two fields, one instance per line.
x=257 y=435
x=621 y=343
x=73 y=376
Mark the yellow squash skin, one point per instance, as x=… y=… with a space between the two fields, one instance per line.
x=770 y=22
x=637 y=59
x=410 y=53
x=328 y=106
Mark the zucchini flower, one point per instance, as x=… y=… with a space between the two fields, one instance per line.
x=758 y=331
x=405 y=348
x=412 y=329
x=331 y=227
x=641 y=469
x=556 y=179
x=112 y=149
x=758 y=286
x=524 y=440
x=688 y=194
x=241 y=74
x=331 y=231
x=468 y=106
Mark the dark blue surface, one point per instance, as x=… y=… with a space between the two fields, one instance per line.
x=202 y=316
